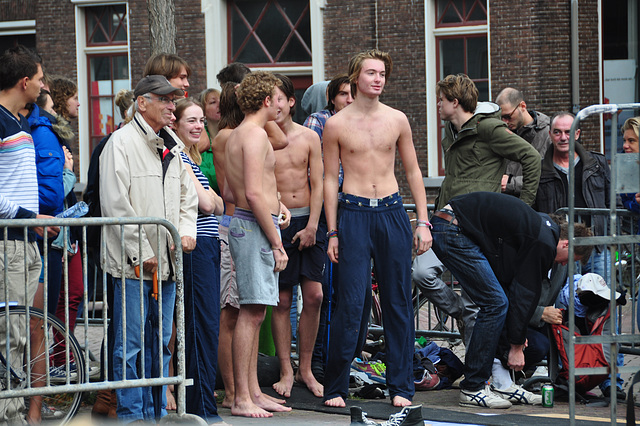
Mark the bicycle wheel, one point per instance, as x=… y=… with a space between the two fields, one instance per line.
x=61 y=406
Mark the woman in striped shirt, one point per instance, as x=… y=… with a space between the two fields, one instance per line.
x=201 y=272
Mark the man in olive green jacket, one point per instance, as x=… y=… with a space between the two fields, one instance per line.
x=477 y=144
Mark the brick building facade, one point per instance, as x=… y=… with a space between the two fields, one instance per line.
x=526 y=47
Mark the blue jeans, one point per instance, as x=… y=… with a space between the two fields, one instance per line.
x=470 y=266
x=598 y=263
x=137 y=403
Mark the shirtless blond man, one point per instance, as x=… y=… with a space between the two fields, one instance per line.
x=373 y=225
x=299 y=176
x=254 y=236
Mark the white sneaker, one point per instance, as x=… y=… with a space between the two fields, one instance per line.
x=518 y=395
x=482 y=398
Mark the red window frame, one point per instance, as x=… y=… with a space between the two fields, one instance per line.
x=468 y=7
x=274 y=60
x=109 y=33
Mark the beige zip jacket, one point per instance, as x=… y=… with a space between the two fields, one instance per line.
x=132 y=184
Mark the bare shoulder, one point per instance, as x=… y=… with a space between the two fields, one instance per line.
x=221 y=138
x=249 y=136
x=306 y=134
x=393 y=114
x=339 y=119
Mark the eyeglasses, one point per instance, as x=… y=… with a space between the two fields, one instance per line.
x=162 y=99
x=507 y=117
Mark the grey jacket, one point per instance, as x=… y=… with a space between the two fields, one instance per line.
x=537 y=134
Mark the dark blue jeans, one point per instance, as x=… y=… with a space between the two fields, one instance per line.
x=470 y=266
x=381 y=233
x=202 y=325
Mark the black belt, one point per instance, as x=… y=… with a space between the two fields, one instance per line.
x=446 y=216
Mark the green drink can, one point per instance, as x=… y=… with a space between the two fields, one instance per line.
x=547 y=396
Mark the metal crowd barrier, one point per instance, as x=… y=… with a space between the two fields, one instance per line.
x=429 y=321
x=612 y=240
x=26 y=388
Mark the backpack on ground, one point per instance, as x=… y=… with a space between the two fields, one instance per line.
x=586 y=355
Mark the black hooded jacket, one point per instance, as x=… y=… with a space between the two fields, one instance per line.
x=520 y=245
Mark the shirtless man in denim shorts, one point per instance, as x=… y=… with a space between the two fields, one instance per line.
x=254 y=236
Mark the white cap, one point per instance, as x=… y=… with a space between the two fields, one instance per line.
x=595 y=284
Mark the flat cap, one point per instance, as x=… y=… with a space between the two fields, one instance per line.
x=156 y=84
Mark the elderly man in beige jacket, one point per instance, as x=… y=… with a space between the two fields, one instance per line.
x=141 y=174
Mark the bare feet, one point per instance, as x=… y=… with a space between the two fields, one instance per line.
x=227 y=402
x=283 y=387
x=269 y=404
x=274 y=399
x=312 y=384
x=335 y=402
x=171 y=401
x=399 y=401
x=249 y=409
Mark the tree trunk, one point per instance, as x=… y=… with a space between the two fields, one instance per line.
x=162 y=27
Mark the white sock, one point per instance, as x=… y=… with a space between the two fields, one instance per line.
x=501 y=376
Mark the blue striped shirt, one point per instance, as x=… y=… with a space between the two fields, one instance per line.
x=207 y=224
x=18 y=174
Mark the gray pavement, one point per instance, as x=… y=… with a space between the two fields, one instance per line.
x=438 y=401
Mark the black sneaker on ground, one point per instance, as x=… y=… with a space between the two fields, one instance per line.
x=358 y=417
x=621 y=396
x=409 y=416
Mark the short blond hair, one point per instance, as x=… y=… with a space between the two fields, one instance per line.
x=355 y=65
x=632 y=123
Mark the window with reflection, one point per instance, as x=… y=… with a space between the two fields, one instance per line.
x=273 y=32
x=461 y=12
x=106 y=25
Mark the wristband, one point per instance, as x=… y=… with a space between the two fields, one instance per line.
x=280 y=249
x=424 y=223
x=332 y=233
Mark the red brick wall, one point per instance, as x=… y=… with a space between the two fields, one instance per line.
x=531 y=51
x=56 y=37
x=350 y=27
x=17 y=10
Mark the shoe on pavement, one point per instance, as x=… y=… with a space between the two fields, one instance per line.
x=518 y=395
x=375 y=370
x=482 y=398
x=621 y=396
x=50 y=413
x=359 y=417
x=428 y=382
x=408 y=416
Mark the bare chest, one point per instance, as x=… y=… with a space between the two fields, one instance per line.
x=378 y=136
